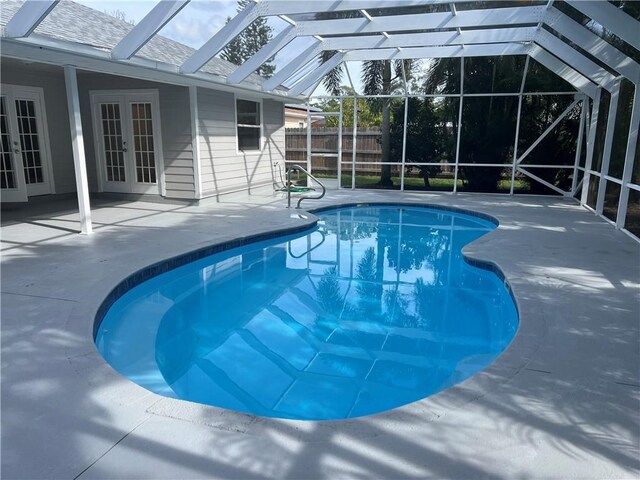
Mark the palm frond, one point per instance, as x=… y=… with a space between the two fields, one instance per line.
x=332 y=80
x=372 y=73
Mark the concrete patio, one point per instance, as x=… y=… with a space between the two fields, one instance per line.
x=562 y=401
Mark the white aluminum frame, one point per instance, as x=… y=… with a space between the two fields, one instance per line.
x=551 y=48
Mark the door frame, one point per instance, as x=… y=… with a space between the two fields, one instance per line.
x=126 y=97
x=15 y=92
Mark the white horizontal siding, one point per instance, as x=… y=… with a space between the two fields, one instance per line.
x=224 y=169
x=175 y=120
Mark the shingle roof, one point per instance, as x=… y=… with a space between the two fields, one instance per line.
x=72 y=22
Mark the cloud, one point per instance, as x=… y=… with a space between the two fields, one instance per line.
x=199 y=21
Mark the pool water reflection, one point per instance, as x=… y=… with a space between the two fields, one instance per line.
x=373 y=309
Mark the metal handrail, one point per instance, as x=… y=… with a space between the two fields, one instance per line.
x=298 y=168
x=308 y=251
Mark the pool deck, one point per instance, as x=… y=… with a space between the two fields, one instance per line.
x=562 y=402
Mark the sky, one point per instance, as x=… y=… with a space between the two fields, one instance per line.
x=200 y=20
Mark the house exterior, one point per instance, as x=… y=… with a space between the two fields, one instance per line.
x=295 y=116
x=144 y=129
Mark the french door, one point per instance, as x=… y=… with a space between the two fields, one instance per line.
x=127 y=138
x=25 y=163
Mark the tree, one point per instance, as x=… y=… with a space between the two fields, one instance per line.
x=249 y=42
x=488 y=123
x=120 y=15
x=367 y=117
x=379 y=77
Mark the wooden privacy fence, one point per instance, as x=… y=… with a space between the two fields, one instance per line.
x=324 y=148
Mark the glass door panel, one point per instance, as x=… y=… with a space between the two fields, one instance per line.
x=29 y=143
x=113 y=143
x=143 y=148
x=12 y=188
x=7 y=171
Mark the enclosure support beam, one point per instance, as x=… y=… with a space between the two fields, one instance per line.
x=404 y=143
x=404 y=130
x=515 y=143
x=269 y=50
x=548 y=130
x=611 y=18
x=77 y=142
x=543 y=182
x=339 y=165
x=28 y=17
x=608 y=146
x=145 y=30
x=455 y=174
x=576 y=163
x=316 y=74
x=354 y=142
x=590 y=146
x=308 y=138
x=290 y=68
x=216 y=43
x=195 y=141
x=632 y=143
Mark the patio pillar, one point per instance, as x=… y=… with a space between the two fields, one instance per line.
x=79 y=161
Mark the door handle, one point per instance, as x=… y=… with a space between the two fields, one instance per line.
x=16 y=150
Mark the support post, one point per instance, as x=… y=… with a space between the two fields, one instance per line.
x=515 y=143
x=404 y=130
x=354 y=142
x=455 y=175
x=79 y=160
x=632 y=143
x=576 y=163
x=339 y=163
x=404 y=143
x=608 y=146
x=590 y=145
x=195 y=141
x=308 y=138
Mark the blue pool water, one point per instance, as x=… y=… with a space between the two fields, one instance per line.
x=373 y=309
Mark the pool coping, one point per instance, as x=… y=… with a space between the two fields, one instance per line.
x=518 y=353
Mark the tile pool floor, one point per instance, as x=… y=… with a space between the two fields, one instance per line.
x=562 y=401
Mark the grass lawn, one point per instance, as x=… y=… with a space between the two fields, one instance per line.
x=436 y=184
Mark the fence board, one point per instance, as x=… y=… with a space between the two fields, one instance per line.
x=325 y=141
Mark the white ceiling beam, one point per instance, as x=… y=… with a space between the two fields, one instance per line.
x=282 y=74
x=151 y=24
x=261 y=56
x=576 y=79
x=373 y=41
x=220 y=40
x=28 y=17
x=505 y=17
x=468 y=18
x=404 y=40
x=571 y=56
x=593 y=44
x=280 y=7
x=478 y=50
x=612 y=18
x=388 y=54
x=316 y=74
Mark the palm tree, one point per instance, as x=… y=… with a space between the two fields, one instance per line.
x=379 y=77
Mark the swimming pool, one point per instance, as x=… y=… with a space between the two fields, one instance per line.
x=372 y=309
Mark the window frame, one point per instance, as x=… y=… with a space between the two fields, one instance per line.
x=260 y=102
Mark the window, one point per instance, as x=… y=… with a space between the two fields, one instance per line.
x=249 y=127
